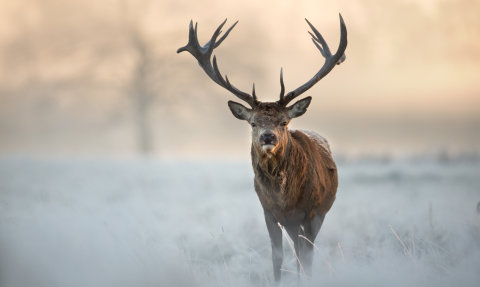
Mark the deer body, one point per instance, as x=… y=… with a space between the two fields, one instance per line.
x=296 y=184
x=295 y=174
x=303 y=183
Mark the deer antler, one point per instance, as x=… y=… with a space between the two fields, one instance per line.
x=203 y=55
x=330 y=62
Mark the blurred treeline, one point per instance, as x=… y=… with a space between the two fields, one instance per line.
x=103 y=77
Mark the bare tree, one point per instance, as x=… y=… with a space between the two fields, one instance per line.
x=140 y=90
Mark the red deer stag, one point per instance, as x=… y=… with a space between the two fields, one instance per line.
x=295 y=174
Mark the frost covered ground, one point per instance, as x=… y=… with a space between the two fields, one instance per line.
x=150 y=223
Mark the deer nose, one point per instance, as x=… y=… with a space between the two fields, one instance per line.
x=268 y=138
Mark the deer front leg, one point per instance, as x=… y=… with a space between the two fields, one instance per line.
x=293 y=232
x=311 y=229
x=276 y=238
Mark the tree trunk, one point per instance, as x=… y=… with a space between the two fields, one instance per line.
x=142 y=98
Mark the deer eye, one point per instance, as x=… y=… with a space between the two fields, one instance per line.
x=253 y=124
x=284 y=123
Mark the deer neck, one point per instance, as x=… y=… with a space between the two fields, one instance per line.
x=272 y=165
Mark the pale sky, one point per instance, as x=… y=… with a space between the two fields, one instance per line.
x=409 y=84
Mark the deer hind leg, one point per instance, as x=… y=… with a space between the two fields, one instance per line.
x=276 y=239
x=311 y=229
x=293 y=232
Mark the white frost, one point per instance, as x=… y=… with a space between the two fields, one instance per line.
x=146 y=223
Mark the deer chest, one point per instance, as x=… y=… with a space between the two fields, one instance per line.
x=283 y=203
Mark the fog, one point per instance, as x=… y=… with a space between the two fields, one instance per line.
x=148 y=223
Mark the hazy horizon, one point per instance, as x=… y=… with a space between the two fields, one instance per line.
x=71 y=72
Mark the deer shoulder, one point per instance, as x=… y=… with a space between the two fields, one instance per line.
x=321 y=145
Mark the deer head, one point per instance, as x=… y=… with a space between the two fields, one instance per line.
x=269 y=120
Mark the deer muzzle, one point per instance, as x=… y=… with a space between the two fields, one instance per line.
x=268 y=140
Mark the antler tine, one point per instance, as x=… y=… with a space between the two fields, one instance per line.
x=214 y=38
x=314 y=40
x=282 y=86
x=330 y=60
x=319 y=39
x=203 y=55
x=193 y=47
x=196 y=36
x=224 y=35
x=253 y=93
x=226 y=84
x=343 y=42
x=217 y=43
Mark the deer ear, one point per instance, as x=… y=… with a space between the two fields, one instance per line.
x=240 y=111
x=299 y=108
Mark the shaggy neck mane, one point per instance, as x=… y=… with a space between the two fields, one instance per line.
x=284 y=163
x=290 y=163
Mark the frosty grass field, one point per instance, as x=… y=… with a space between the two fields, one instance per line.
x=151 y=223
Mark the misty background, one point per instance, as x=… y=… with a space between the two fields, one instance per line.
x=121 y=164
x=103 y=77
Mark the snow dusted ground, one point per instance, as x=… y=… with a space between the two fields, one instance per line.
x=149 y=223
